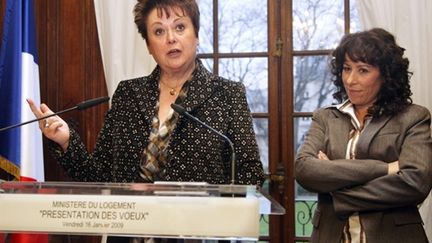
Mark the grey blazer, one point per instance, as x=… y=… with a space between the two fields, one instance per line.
x=387 y=204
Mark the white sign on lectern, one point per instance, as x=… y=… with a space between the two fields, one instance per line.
x=174 y=210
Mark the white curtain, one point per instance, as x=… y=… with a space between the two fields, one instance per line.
x=124 y=52
x=411 y=23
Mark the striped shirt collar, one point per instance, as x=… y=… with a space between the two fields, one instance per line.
x=348 y=108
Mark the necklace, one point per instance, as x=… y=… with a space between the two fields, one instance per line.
x=173 y=90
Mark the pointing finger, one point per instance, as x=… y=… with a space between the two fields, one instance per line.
x=36 y=111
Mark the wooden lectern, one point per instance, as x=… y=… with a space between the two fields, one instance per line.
x=163 y=210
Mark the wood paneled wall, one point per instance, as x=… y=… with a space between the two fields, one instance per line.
x=71 y=71
x=71 y=68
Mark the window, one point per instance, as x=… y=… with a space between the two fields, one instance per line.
x=317 y=27
x=279 y=49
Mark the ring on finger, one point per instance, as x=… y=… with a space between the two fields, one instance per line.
x=46 y=124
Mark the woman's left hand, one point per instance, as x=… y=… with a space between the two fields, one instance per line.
x=54 y=127
x=322 y=155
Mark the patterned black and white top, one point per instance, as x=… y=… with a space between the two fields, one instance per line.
x=194 y=152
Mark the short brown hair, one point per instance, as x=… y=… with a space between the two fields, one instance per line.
x=143 y=8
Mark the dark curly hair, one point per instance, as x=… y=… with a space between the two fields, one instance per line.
x=143 y=8
x=378 y=48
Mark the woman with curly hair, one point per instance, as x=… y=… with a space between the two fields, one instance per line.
x=369 y=157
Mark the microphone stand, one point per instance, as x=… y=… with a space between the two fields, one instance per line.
x=37 y=119
x=81 y=106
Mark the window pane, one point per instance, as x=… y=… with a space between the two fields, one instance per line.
x=313 y=87
x=264 y=227
x=261 y=132
x=206 y=26
x=305 y=202
x=242 y=26
x=301 y=126
x=354 y=17
x=253 y=73
x=304 y=210
x=317 y=24
x=208 y=63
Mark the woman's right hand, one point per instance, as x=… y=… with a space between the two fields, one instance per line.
x=54 y=127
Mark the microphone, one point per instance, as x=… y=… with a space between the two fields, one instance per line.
x=182 y=111
x=80 y=106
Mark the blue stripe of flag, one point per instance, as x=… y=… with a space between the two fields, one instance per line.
x=10 y=80
x=29 y=32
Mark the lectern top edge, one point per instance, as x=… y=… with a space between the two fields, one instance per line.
x=158 y=188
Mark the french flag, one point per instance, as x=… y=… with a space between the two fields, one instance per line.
x=21 y=153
